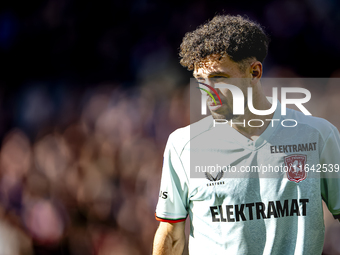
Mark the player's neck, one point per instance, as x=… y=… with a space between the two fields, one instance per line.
x=245 y=124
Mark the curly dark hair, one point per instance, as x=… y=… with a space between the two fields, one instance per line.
x=236 y=36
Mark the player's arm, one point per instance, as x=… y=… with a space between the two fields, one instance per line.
x=330 y=181
x=169 y=238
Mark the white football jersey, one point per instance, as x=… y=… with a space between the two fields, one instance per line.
x=252 y=197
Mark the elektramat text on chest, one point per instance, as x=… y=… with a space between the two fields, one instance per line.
x=259 y=210
x=293 y=148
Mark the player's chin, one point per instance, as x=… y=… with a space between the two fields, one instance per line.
x=219 y=109
x=221 y=114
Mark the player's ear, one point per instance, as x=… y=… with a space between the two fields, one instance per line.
x=256 y=71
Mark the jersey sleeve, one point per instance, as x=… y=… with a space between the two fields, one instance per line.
x=173 y=195
x=330 y=183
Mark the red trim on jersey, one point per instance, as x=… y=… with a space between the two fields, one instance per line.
x=337 y=216
x=168 y=220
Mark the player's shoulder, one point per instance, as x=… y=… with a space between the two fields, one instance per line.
x=182 y=136
x=323 y=126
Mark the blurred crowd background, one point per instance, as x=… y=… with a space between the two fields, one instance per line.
x=90 y=91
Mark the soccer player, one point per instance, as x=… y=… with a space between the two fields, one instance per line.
x=245 y=214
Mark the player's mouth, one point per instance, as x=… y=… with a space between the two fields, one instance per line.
x=213 y=106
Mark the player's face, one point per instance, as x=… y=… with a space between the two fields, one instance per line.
x=213 y=71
